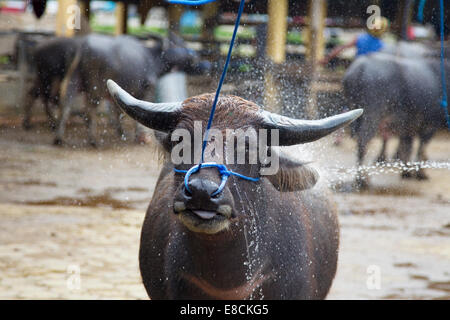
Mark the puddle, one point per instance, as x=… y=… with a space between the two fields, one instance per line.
x=405 y=265
x=441 y=286
x=398 y=191
x=131 y=189
x=36 y=183
x=419 y=277
x=95 y=201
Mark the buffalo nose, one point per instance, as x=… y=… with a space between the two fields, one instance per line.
x=202 y=188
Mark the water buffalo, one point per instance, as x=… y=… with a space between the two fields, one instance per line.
x=405 y=91
x=124 y=59
x=276 y=238
x=50 y=61
x=411 y=50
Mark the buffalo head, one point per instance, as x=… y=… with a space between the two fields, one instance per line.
x=176 y=55
x=197 y=203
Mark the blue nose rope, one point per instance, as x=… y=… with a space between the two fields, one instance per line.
x=223 y=170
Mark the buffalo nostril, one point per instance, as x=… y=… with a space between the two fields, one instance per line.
x=215 y=195
x=179 y=206
x=186 y=192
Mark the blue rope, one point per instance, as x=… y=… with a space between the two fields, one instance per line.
x=190 y=2
x=224 y=173
x=222 y=78
x=420 y=10
x=223 y=170
x=444 y=103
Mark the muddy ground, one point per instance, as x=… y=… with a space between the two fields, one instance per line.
x=70 y=218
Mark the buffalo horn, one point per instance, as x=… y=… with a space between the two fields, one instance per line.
x=296 y=131
x=158 y=116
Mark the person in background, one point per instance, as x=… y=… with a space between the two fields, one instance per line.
x=332 y=43
x=366 y=43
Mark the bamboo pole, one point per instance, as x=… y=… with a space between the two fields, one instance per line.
x=209 y=13
x=85 y=15
x=175 y=12
x=66 y=18
x=144 y=7
x=406 y=17
x=85 y=8
x=121 y=18
x=315 y=50
x=277 y=29
x=317 y=13
x=275 y=50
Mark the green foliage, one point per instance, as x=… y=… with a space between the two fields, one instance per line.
x=245 y=67
x=294 y=37
x=4 y=59
x=222 y=33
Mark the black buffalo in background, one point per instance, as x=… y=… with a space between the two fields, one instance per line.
x=50 y=61
x=65 y=67
x=403 y=90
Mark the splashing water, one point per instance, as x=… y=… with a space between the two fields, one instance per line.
x=252 y=238
x=335 y=166
x=332 y=172
x=339 y=173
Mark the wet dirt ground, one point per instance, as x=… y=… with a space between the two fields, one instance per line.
x=70 y=219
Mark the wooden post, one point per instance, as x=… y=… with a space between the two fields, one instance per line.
x=144 y=7
x=275 y=50
x=121 y=18
x=405 y=15
x=277 y=29
x=316 y=25
x=210 y=21
x=315 y=49
x=175 y=12
x=85 y=15
x=66 y=18
x=85 y=8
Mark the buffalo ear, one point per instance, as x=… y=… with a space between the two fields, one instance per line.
x=293 y=176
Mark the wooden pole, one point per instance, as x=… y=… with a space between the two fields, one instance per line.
x=315 y=33
x=85 y=15
x=144 y=7
x=275 y=50
x=210 y=17
x=66 y=17
x=277 y=29
x=121 y=18
x=406 y=17
x=85 y=8
x=175 y=12
x=315 y=51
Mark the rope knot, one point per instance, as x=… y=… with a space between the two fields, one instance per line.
x=223 y=170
